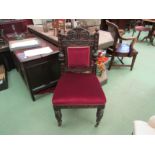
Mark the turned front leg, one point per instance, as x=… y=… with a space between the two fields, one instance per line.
x=58 y=115
x=99 y=115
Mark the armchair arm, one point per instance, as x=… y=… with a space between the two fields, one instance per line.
x=129 y=38
x=134 y=40
x=121 y=32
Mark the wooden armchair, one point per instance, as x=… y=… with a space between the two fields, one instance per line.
x=120 y=49
x=78 y=86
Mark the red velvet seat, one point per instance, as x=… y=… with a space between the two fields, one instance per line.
x=78 y=86
x=76 y=89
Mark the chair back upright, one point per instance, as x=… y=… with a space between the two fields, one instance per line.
x=114 y=30
x=78 y=50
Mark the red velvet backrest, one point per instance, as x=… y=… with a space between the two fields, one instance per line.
x=78 y=49
x=78 y=56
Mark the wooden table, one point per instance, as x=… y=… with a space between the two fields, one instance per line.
x=105 y=38
x=38 y=72
x=151 y=32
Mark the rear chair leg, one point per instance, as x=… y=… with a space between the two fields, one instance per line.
x=99 y=115
x=58 y=115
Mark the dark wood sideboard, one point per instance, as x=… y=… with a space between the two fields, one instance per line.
x=39 y=72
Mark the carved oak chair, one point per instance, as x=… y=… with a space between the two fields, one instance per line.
x=120 y=49
x=78 y=86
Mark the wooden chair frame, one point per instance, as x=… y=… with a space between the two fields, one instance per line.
x=78 y=37
x=119 y=39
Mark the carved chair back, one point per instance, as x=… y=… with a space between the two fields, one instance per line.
x=114 y=30
x=80 y=45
